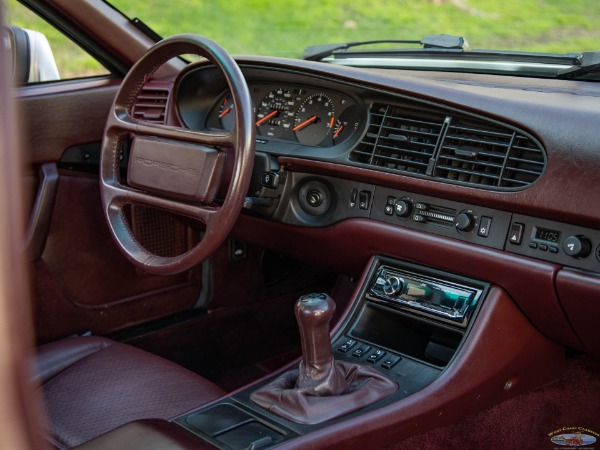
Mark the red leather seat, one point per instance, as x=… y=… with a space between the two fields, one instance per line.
x=92 y=385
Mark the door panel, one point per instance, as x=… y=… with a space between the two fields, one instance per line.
x=82 y=282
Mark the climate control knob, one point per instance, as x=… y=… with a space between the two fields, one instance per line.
x=577 y=246
x=392 y=285
x=403 y=207
x=464 y=221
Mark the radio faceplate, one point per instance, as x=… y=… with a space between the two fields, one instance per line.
x=435 y=298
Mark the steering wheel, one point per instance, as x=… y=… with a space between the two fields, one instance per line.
x=176 y=169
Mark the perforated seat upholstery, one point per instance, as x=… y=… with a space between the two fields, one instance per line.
x=92 y=385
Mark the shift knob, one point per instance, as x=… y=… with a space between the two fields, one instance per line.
x=313 y=313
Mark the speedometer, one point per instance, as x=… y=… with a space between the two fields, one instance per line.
x=275 y=113
x=314 y=120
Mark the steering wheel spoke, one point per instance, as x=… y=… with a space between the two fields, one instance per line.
x=176 y=169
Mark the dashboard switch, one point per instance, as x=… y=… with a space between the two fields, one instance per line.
x=269 y=179
x=464 y=221
x=403 y=208
x=484 y=226
x=364 y=199
x=353 y=197
x=361 y=351
x=516 y=233
x=376 y=356
x=577 y=246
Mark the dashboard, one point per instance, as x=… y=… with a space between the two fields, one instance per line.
x=485 y=176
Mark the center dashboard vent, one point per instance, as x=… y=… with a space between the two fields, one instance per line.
x=151 y=104
x=452 y=148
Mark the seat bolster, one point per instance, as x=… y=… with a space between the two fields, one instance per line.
x=57 y=356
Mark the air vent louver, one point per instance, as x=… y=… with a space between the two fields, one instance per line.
x=398 y=141
x=151 y=104
x=451 y=148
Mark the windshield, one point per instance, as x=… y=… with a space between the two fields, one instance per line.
x=286 y=27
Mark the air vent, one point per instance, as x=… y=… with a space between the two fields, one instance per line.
x=151 y=104
x=399 y=141
x=452 y=148
x=489 y=156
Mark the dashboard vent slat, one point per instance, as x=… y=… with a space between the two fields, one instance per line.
x=151 y=104
x=456 y=148
x=397 y=141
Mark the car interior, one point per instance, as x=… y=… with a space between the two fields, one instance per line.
x=252 y=252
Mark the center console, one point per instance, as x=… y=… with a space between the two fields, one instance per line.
x=406 y=324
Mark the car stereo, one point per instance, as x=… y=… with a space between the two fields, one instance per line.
x=433 y=297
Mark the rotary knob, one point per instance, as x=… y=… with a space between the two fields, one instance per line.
x=464 y=221
x=577 y=246
x=392 y=285
x=403 y=207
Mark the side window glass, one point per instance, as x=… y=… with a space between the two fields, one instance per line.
x=41 y=52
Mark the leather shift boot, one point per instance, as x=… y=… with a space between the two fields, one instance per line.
x=307 y=405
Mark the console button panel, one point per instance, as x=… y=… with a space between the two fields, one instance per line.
x=476 y=224
x=559 y=243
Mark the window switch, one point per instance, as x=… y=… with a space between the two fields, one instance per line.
x=361 y=351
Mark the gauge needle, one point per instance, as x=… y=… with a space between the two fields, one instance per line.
x=267 y=117
x=338 y=131
x=303 y=124
x=224 y=113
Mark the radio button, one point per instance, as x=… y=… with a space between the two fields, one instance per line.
x=543 y=247
x=533 y=245
x=553 y=249
x=392 y=285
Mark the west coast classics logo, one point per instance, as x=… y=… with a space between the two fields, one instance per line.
x=571 y=437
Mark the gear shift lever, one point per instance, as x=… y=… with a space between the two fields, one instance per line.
x=321 y=388
x=317 y=369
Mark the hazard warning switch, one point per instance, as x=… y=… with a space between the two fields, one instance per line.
x=516 y=233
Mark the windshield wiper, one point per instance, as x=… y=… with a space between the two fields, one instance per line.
x=435 y=41
x=585 y=64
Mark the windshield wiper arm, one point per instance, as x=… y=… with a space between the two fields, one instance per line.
x=585 y=63
x=440 y=41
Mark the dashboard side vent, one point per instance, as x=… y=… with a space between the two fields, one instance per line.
x=453 y=148
x=398 y=141
x=151 y=104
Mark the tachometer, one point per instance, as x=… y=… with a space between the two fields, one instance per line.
x=314 y=120
x=275 y=113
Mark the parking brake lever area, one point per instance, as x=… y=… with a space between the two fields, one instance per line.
x=321 y=388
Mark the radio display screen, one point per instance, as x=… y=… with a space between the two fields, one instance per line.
x=544 y=234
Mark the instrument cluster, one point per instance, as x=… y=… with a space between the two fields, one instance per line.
x=311 y=117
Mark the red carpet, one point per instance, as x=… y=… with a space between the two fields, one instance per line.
x=526 y=422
